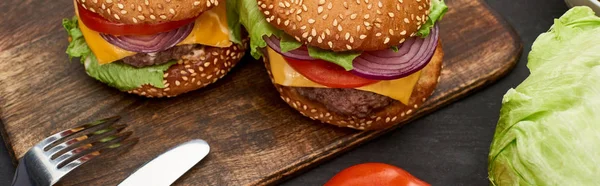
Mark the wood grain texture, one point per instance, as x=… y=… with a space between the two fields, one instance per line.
x=256 y=139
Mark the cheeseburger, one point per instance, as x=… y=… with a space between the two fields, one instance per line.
x=154 y=48
x=363 y=64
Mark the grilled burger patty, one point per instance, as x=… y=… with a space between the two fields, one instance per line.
x=348 y=102
x=149 y=59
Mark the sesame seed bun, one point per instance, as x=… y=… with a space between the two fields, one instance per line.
x=363 y=25
x=147 y=11
x=384 y=118
x=204 y=67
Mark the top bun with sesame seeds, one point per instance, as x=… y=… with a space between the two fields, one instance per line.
x=347 y=24
x=147 y=11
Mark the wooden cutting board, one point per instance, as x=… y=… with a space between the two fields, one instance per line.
x=255 y=137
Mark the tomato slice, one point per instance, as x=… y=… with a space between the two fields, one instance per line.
x=98 y=23
x=328 y=74
x=379 y=174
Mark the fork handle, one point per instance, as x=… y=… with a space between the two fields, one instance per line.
x=22 y=176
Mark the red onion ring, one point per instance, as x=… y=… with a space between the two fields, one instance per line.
x=150 y=43
x=413 y=55
x=300 y=53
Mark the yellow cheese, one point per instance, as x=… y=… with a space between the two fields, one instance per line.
x=398 y=89
x=209 y=29
x=104 y=51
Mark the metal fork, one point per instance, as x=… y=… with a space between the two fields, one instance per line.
x=50 y=160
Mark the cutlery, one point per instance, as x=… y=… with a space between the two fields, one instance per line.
x=169 y=166
x=52 y=158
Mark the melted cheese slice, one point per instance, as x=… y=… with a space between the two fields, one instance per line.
x=210 y=29
x=398 y=89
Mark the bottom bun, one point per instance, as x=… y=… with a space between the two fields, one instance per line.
x=204 y=66
x=380 y=119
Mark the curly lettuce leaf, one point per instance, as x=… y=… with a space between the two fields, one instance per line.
x=233 y=21
x=437 y=10
x=116 y=74
x=549 y=127
x=77 y=47
x=126 y=77
x=343 y=59
x=288 y=43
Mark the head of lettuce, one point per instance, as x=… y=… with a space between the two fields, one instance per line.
x=549 y=127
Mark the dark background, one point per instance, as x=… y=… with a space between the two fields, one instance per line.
x=450 y=146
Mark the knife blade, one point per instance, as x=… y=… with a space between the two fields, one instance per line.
x=169 y=166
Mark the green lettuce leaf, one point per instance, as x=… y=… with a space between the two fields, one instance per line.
x=233 y=21
x=288 y=43
x=437 y=11
x=77 y=47
x=549 y=127
x=255 y=23
x=126 y=77
x=343 y=59
x=116 y=74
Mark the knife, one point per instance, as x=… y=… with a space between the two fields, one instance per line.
x=169 y=166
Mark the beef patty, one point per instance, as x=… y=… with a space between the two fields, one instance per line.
x=149 y=59
x=348 y=102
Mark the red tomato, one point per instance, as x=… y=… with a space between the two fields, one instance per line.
x=99 y=24
x=379 y=174
x=328 y=74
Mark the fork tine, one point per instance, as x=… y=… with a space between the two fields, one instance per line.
x=84 y=159
x=49 y=141
x=84 y=149
x=75 y=142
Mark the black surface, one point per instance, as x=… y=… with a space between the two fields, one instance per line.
x=450 y=146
